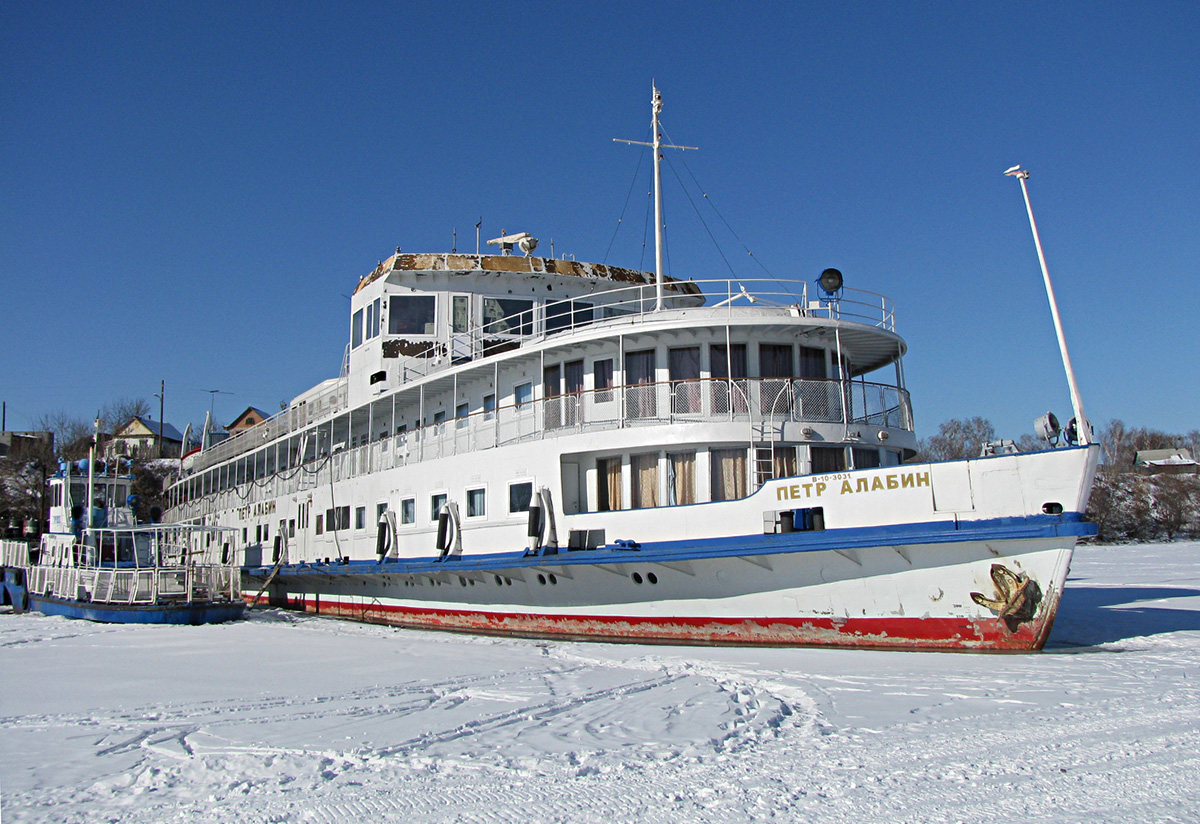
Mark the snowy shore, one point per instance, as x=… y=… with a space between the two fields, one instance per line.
x=287 y=718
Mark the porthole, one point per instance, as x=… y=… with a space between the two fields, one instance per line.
x=541 y=579
x=499 y=583
x=651 y=577
x=553 y=580
x=462 y=582
x=508 y=581
x=637 y=577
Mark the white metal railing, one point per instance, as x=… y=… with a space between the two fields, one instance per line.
x=704 y=401
x=14 y=554
x=180 y=584
x=630 y=305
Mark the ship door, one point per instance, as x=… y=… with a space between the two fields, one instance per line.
x=460 y=328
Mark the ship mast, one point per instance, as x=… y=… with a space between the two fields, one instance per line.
x=657 y=145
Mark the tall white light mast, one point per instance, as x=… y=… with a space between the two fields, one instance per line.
x=1082 y=426
x=657 y=145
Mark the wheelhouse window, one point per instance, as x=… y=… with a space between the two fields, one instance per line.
x=507 y=316
x=373 y=319
x=567 y=314
x=356 y=329
x=411 y=314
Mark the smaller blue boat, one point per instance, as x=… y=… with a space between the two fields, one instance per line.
x=107 y=567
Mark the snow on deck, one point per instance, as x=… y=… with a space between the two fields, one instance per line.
x=293 y=718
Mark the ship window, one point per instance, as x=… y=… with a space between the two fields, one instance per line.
x=356 y=329
x=682 y=478
x=602 y=372
x=728 y=474
x=320 y=524
x=683 y=364
x=523 y=393
x=812 y=363
x=436 y=502
x=408 y=511
x=460 y=313
x=507 y=316
x=372 y=319
x=411 y=314
x=360 y=517
x=379 y=510
x=292 y=528
x=489 y=407
x=567 y=314
x=608 y=483
x=460 y=414
x=519 y=496
x=827 y=459
x=476 y=503
x=645 y=480
x=865 y=458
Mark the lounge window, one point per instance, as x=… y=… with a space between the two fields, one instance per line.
x=476 y=503
x=827 y=459
x=865 y=458
x=608 y=482
x=640 y=392
x=645 y=480
x=683 y=367
x=567 y=314
x=411 y=314
x=523 y=393
x=728 y=474
x=812 y=363
x=520 y=495
x=682 y=480
x=602 y=372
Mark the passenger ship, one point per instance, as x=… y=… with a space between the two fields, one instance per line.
x=542 y=447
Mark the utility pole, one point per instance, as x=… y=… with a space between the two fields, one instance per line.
x=162 y=395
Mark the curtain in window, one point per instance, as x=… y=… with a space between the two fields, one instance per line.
x=645 y=480
x=608 y=471
x=728 y=364
x=683 y=364
x=728 y=474
x=682 y=466
x=785 y=462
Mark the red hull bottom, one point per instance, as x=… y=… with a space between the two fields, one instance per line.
x=899 y=633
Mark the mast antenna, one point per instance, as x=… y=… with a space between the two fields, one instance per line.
x=657 y=145
x=1082 y=426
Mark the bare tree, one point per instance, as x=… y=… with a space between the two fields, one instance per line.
x=71 y=434
x=116 y=413
x=957 y=438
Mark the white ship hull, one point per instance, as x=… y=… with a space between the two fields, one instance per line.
x=903 y=577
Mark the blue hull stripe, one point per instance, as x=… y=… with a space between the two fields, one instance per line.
x=932 y=532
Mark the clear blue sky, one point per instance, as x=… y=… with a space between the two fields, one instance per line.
x=189 y=191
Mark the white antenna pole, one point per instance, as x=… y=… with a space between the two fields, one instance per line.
x=656 y=107
x=1083 y=427
x=657 y=145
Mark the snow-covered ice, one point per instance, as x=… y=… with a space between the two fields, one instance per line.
x=288 y=718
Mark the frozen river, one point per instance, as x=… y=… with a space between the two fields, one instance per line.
x=286 y=718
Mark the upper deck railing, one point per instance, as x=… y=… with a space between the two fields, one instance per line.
x=768 y=402
x=629 y=306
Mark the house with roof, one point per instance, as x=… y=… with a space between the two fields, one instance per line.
x=251 y=417
x=140 y=438
x=1177 y=461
